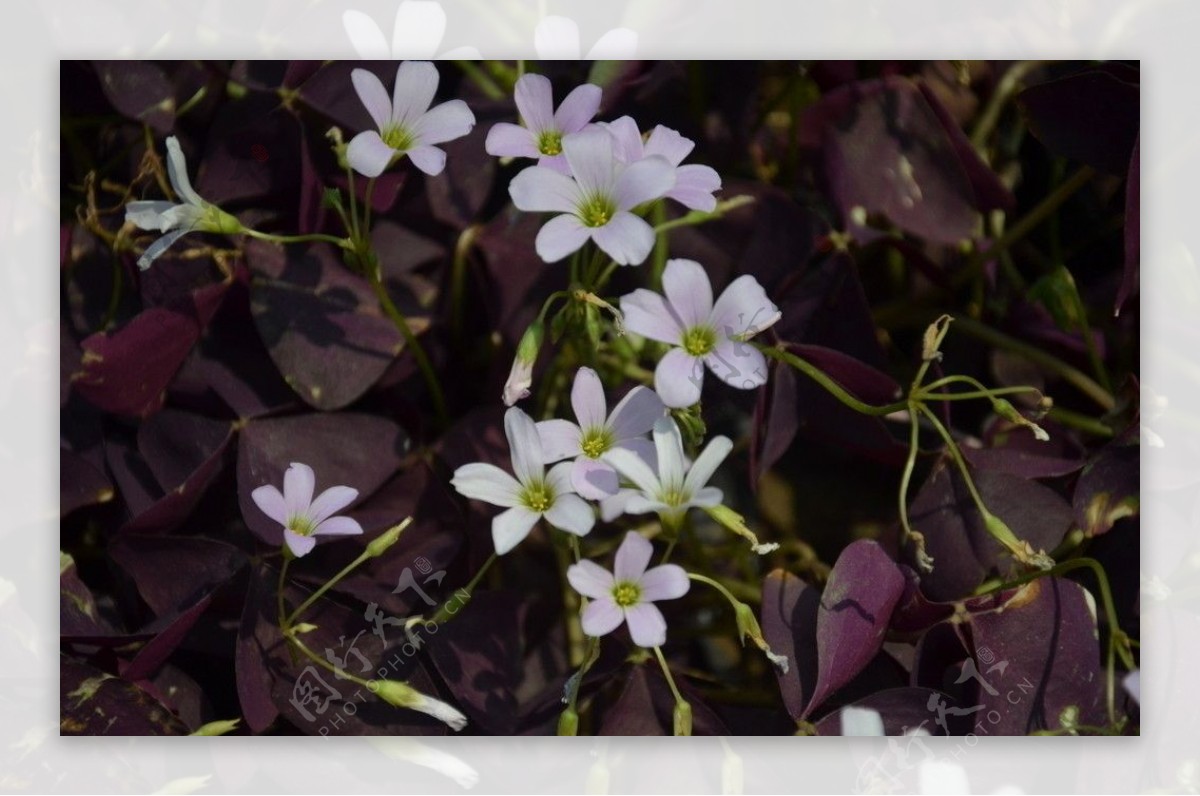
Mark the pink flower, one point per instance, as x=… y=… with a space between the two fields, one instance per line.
x=629 y=592
x=694 y=183
x=303 y=519
x=544 y=127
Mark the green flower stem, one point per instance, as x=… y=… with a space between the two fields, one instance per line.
x=458 y=279
x=955 y=454
x=658 y=218
x=604 y=276
x=700 y=217
x=909 y=464
x=1080 y=421
x=832 y=387
x=366 y=227
x=442 y=614
x=734 y=601
x=287 y=560
x=317 y=659
x=680 y=702
x=481 y=79
x=353 y=204
x=1009 y=84
x=925 y=395
x=572 y=609
x=326 y=586
x=343 y=243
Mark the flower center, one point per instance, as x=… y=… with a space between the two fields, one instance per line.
x=301 y=525
x=550 y=142
x=673 y=497
x=699 y=340
x=595 y=442
x=397 y=137
x=627 y=593
x=597 y=211
x=537 y=497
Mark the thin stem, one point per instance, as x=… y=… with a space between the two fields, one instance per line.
x=667 y=673
x=658 y=217
x=317 y=659
x=1007 y=86
x=909 y=465
x=458 y=279
x=442 y=615
x=956 y=454
x=716 y=585
x=326 y=586
x=1080 y=421
x=366 y=228
x=836 y=390
x=925 y=395
x=287 y=560
x=353 y=204
x=401 y=323
x=481 y=79
x=309 y=238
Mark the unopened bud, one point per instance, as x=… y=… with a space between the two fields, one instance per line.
x=379 y=545
x=682 y=718
x=521 y=375
x=402 y=695
x=568 y=722
x=1010 y=413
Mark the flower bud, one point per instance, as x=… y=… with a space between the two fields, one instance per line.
x=568 y=722
x=402 y=695
x=379 y=545
x=521 y=375
x=682 y=718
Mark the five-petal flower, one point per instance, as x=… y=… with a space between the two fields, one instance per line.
x=544 y=127
x=303 y=518
x=595 y=200
x=533 y=494
x=405 y=123
x=628 y=593
x=598 y=432
x=694 y=183
x=704 y=333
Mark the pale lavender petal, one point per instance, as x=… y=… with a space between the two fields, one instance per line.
x=590 y=579
x=559 y=479
x=739 y=365
x=446 y=122
x=535 y=102
x=373 y=95
x=270 y=501
x=416 y=83
x=507 y=140
x=560 y=440
x=633 y=467
x=1133 y=684
x=520 y=377
x=694 y=187
x=706 y=464
x=664 y=582
x=147 y=215
x=644 y=448
x=636 y=413
x=614 y=506
x=633 y=556
x=572 y=514
x=649 y=178
x=707 y=497
x=648 y=314
x=668 y=143
x=679 y=378
x=577 y=108
x=156 y=249
x=601 y=616
x=525 y=444
x=627 y=139
x=177 y=173
x=368 y=155
x=647 y=626
x=668 y=444
x=557 y=39
x=542 y=190
x=626 y=238
x=593 y=479
x=298 y=484
x=689 y=291
x=428 y=159
x=590 y=153
x=331 y=501
x=557 y=163
x=338 y=526
x=183 y=217
x=299 y=545
x=861 y=722
x=587 y=399
x=560 y=236
x=510 y=527
x=640 y=504
x=743 y=310
x=486 y=482
x=619 y=44
x=366 y=37
x=418 y=29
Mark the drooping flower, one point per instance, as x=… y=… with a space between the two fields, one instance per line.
x=544 y=127
x=595 y=201
x=628 y=593
x=405 y=123
x=704 y=333
x=303 y=518
x=520 y=377
x=694 y=183
x=557 y=39
x=676 y=487
x=192 y=214
x=533 y=494
x=417 y=32
x=598 y=432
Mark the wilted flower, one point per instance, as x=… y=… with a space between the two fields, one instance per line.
x=406 y=124
x=694 y=183
x=544 y=127
x=303 y=519
x=176 y=220
x=629 y=592
x=533 y=494
x=595 y=201
x=705 y=333
x=599 y=432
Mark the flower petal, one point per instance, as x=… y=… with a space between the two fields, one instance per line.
x=270 y=501
x=559 y=479
x=636 y=413
x=446 y=122
x=649 y=178
x=744 y=310
x=679 y=378
x=542 y=190
x=633 y=556
x=627 y=139
x=633 y=467
x=428 y=159
x=560 y=440
x=668 y=444
x=626 y=238
x=593 y=479
x=644 y=448
x=418 y=29
x=619 y=44
x=177 y=172
x=416 y=83
x=648 y=314
x=510 y=527
x=299 y=545
x=156 y=249
x=706 y=464
x=577 y=108
x=587 y=399
x=669 y=144
x=507 y=140
x=572 y=514
x=560 y=236
x=694 y=187
x=365 y=36
x=298 y=484
x=147 y=215
x=664 y=582
x=737 y=364
x=373 y=95
x=338 y=526
x=590 y=153
x=641 y=504
x=557 y=39
x=535 y=102
x=614 y=506
x=525 y=444
x=647 y=627
x=686 y=286
x=330 y=502
x=706 y=498
x=601 y=617
x=486 y=482
x=368 y=155
x=590 y=579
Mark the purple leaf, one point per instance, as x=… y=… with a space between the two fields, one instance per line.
x=990 y=193
x=902 y=710
x=458 y=195
x=77 y=609
x=173 y=573
x=1108 y=489
x=155 y=653
x=914 y=611
x=140 y=91
x=94 y=703
x=1019 y=462
x=646 y=706
x=789 y=624
x=80 y=483
x=1092 y=116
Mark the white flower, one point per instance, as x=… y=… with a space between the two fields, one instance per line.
x=303 y=519
x=694 y=183
x=557 y=39
x=417 y=33
x=544 y=127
